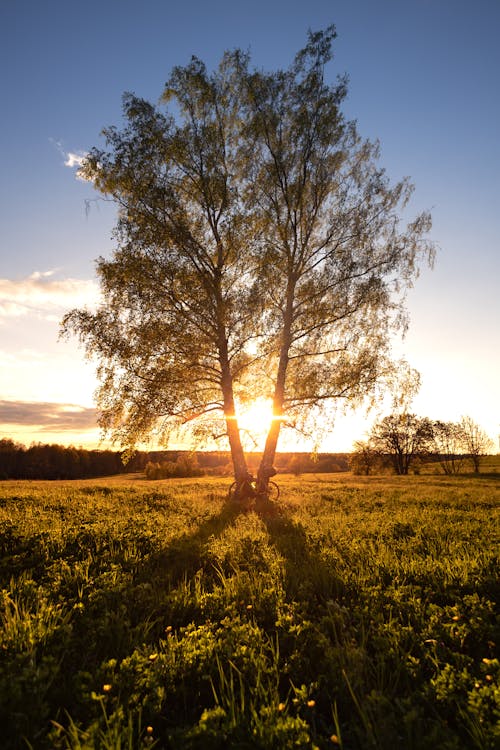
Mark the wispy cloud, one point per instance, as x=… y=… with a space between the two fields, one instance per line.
x=44 y=296
x=48 y=417
x=71 y=159
x=74 y=160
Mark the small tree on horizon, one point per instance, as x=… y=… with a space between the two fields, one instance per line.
x=476 y=443
x=260 y=252
x=403 y=438
x=449 y=445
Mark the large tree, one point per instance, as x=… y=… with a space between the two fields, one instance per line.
x=260 y=251
x=179 y=304
x=334 y=252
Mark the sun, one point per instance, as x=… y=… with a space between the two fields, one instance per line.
x=255 y=418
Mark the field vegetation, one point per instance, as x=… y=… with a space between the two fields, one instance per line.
x=363 y=613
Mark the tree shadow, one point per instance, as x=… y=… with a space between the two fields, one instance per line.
x=131 y=600
x=308 y=575
x=126 y=595
x=183 y=555
x=134 y=600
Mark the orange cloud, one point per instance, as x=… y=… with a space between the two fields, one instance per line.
x=48 y=416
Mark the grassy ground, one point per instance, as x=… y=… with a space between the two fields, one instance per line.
x=137 y=614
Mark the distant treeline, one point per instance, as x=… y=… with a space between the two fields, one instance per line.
x=41 y=461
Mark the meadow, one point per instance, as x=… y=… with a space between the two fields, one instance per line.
x=362 y=614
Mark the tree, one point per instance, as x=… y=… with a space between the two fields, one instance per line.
x=476 y=442
x=402 y=437
x=172 y=333
x=11 y=455
x=260 y=252
x=448 y=439
x=364 y=458
x=333 y=251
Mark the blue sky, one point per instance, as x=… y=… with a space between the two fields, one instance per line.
x=423 y=80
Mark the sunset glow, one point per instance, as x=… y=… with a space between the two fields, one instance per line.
x=254 y=420
x=53 y=228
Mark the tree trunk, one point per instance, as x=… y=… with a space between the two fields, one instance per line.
x=233 y=432
x=237 y=454
x=240 y=468
x=266 y=469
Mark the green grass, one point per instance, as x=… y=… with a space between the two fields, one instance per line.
x=142 y=614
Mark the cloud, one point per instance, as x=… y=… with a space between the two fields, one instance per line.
x=48 y=416
x=43 y=369
x=74 y=160
x=43 y=296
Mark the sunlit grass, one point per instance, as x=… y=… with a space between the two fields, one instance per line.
x=139 y=612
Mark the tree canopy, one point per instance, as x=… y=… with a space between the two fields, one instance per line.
x=403 y=437
x=261 y=251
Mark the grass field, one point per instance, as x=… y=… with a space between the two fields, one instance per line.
x=142 y=614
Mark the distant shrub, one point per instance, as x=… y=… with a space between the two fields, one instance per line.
x=186 y=465
x=306 y=463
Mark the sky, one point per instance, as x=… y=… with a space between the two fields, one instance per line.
x=423 y=80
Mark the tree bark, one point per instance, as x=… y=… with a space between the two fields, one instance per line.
x=240 y=468
x=266 y=465
x=237 y=453
x=233 y=432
